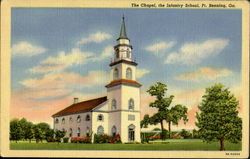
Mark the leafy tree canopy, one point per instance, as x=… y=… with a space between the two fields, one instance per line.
x=218 y=118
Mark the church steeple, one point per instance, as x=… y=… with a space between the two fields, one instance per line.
x=123 y=34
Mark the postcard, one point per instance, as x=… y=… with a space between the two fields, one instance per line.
x=134 y=79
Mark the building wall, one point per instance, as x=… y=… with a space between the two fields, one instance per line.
x=74 y=124
x=126 y=123
x=96 y=123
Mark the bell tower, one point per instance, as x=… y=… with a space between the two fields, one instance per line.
x=124 y=91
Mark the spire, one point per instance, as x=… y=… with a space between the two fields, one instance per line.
x=123 y=34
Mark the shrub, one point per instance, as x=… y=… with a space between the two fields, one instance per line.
x=65 y=139
x=51 y=140
x=107 y=139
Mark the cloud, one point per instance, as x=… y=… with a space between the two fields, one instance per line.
x=159 y=48
x=194 y=53
x=107 y=52
x=66 y=80
x=46 y=68
x=141 y=72
x=76 y=56
x=24 y=48
x=62 y=61
x=97 y=37
x=205 y=73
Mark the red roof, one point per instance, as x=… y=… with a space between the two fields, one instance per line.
x=82 y=106
x=123 y=81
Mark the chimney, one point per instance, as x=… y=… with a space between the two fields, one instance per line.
x=75 y=100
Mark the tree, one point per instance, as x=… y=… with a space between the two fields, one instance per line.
x=161 y=103
x=45 y=130
x=15 y=130
x=145 y=121
x=175 y=114
x=49 y=134
x=218 y=118
x=38 y=133
x=59 y=134
x=26 y=129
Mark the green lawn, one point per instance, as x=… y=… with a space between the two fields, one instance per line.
x=185 y=145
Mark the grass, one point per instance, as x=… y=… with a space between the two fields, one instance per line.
x=185 y=145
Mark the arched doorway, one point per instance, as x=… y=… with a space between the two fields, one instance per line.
x=131 y=133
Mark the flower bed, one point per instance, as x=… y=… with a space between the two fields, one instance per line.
x=154 y=137
x=81 y=140
x=107 y=139
x=176 y=137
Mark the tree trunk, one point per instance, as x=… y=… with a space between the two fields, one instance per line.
x=222 y=147
x=169 y=129
x=162 y=129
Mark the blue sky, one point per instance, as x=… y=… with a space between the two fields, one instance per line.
x=188 y=49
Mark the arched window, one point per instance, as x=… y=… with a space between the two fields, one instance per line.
x=87 y=132
x=70 y=132
x=113 y=104
x=100 y=117
x=63 y=121
x=116 y=73
x=131 y=132
x=100 y=130
x=131 y=104
x=129 y=73
x=128 y=53
x=56 y=121
x=113 y=130
x=78 y=132
x=87 y=117
x=70 y=119
x=78 y=119
x=117 y=53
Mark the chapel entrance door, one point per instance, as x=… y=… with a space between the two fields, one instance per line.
x=131 y=133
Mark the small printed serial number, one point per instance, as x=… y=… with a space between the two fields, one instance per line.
x=233 y=153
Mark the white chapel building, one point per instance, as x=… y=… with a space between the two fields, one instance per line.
x=116 y=113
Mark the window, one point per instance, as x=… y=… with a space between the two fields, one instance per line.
x=113 y=130
x=113 y=104
x=87 y=117
x=116 y=73
x=131 y=104
x=56 y=121
x=87 y=131
x=70 y=132
x=100 y=130
x=70 y=119
x=78 y=119
x=131 y=117
x=129 y=73
x=63 y=121
x=128 y=53
x=117 y=53
x=78 y=132
x=100 y=117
